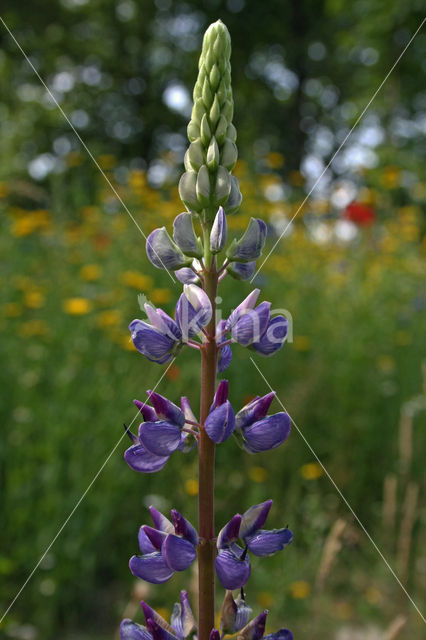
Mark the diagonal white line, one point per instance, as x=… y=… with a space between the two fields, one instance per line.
x=367 y=106
x=77 y=504
x=84 y=145
x=343 y=497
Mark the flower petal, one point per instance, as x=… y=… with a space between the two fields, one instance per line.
x=220 y=423
x=186 y=276
x=158 y=632
x=165 y=409
x=160 y=438
x=252 y=325
x=254 y=411
x=148 y=412
x=151 y=342
x=151 y=614
x=225 y=357
x=178 y=553
x=184 y=528
x=162 y=252
x=151 y=567
x=155 y=536
x=273 y=338
x=268 y=433
x=247 y=303
x=232 y=572
x=250 y=246
x=218 y=233
x=230 y=532
x=139 y=459
x=184 y=236
x=160 y=521
x=254 y=518
x=221 y=394
x=241 y=270
x=131 y=631
x=255 y=629
x=265 y=543
x=282 y=634
x=145 y=544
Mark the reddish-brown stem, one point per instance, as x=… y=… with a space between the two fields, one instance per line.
x=206 y=454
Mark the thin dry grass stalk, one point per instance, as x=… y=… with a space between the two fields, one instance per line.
x=332 y=547
x=405 y=440
x=405 y=532
x=389 y=502
x=395 y=627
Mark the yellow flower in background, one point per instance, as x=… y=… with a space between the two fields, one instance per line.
x=110 y=318
x=191 y=487
x=33 y=328
x=265 y=599
x=311 y=471
x=106 y=161
x=402 y=338
x=258 y=474
x=275 y=160
x=29 y=222
x=91 y=213
x=300 y=589
x=136 y=280
x=391 y=177
x=386 y=364
x=77 y=306
x=160 y=296
x=34 y=299
x=301 y=343
x=90 y=272
x=12 y=309
x=296 y=178
x=74 y=158
x=344 y=611
x=4 y=190
x=372 y=595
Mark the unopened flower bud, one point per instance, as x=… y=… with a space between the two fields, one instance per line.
x=213 y=155
x=229 y=154
x=249 y=247
x=218 y=233
x=203 y=186
x=184 y=236
x=163 y=252
x=235 y=198
x=223 y=185
x=188 y=191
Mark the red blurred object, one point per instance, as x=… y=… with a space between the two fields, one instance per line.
x=361 y=214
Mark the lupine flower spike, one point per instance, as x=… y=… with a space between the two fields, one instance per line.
x=201 y=255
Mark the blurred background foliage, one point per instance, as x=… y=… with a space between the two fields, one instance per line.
x=350 y=270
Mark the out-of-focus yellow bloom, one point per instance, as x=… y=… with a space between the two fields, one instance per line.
x=136 y=280
x=74 y=158
x=91 y=213
x=344 y=611
x=296 y=178
x=301 y=343
x=12 y=309
x=106 y=161
x=30 y=222
x=34 y=299
x=390 y=177
x=367 y=196
x=137 y=179
x=258 y=474
x=90 y=272
x=163 y=612
x=110 y=318
x=311 y=471
x=372 y=595
x=77 y=306
x=385 y=363
x=33 y=328
x=402 y=338
x=21 y=282
x=4 y=190
x=160 y=296
x=300 y=589
x=265 y=599
x=275 y=160
x=419 y=191
x=126 y=342
x=191 y=487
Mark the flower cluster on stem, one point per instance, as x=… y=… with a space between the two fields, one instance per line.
x=201 y=256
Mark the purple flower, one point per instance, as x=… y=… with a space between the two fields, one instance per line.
x=166 y=548
x=250 y=246
x=232 y=562
x=273 y=338
x=182 y=623
x=235 y=614
x=255 y=629
x=158 y=341
x=241 y=270
x=218 y=233
x=247 y=323
x=184 y=236
x=225 y=353
x=160 y=434
x=220 y=422
x=260 y=433
x=193 y=311
x=163 y=252
x=187 y=276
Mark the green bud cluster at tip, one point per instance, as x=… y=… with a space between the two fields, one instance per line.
x=212 y=153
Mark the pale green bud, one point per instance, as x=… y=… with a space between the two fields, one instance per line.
x=203 y=186
x=195 y=154
x=235 y=198
x=229 y=155
x=213 y=155
x=205 y=131
x=188 y=192
x=222 y=186
x=221 y=129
